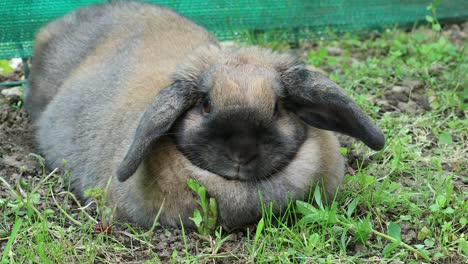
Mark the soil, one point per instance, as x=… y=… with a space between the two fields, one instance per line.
x=17 y=142
x=16 y=137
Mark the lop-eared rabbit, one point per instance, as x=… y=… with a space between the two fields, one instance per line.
x=137 y=94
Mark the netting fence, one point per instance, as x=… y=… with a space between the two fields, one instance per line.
x=20 y=19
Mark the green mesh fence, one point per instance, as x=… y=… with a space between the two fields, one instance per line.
x=20 y=19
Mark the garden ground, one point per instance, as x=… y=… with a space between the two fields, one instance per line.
x=406 y=203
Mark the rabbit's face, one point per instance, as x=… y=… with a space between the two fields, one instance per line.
x=240 y=129
x=243 y=114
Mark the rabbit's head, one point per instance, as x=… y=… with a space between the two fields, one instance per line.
x=244 y=113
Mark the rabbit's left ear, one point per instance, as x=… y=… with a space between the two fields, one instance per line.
x=323 y=104
x=157 y=120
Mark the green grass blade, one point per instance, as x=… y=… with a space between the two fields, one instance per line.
x=11 y=239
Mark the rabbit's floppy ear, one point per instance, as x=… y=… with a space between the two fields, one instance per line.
x=157 y=120
x=323 y=104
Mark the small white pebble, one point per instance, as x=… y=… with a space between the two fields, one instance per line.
x=12 y=91
x=15 y=62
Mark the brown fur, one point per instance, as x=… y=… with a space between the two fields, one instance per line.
x=138 y=70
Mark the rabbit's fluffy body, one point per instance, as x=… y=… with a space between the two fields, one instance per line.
x=95 y=75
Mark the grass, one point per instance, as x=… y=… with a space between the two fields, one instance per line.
x=404 y=204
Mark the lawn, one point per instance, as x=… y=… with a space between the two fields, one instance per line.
x=405 y=204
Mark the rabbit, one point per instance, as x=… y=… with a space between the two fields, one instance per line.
x=136 y=94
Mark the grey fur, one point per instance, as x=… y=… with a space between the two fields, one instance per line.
x=121 y=90
x=323 y=104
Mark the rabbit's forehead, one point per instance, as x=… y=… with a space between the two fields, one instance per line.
x=247 y=86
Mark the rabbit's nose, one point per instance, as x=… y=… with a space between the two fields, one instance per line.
x=244 y=158
x=243 y=149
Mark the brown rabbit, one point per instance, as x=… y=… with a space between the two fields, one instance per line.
x=136 y=92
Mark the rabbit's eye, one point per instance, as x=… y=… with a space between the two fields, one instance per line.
x=206 y=106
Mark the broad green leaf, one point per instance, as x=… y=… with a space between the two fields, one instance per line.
x=429 y=19
x=203 y=200
x=445 y=138
x=389 y=248
x=425 y=232
x=197 y=218
x=314 y=239
x=430 y=242
x=436 y=27
x=352 y=206
x=363 y=229
x=36 y=198
x=305 y=208
x=464 y=246
x=318 y=197
x=394 y=231
x=434 y=208
x=448 y=210
x=344 y=151
x=193 y=184
x=343 y=240
x=441 y=200
x=212 y=216
x=463 y=221
x=322 y=52
x=213 y=207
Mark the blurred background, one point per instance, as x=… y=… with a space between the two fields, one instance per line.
x=287 y=20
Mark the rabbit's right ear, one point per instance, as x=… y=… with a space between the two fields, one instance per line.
x=323 y=104
x=157 y=120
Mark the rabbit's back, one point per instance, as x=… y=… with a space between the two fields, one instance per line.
x=60 y=48
x=95 y=72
